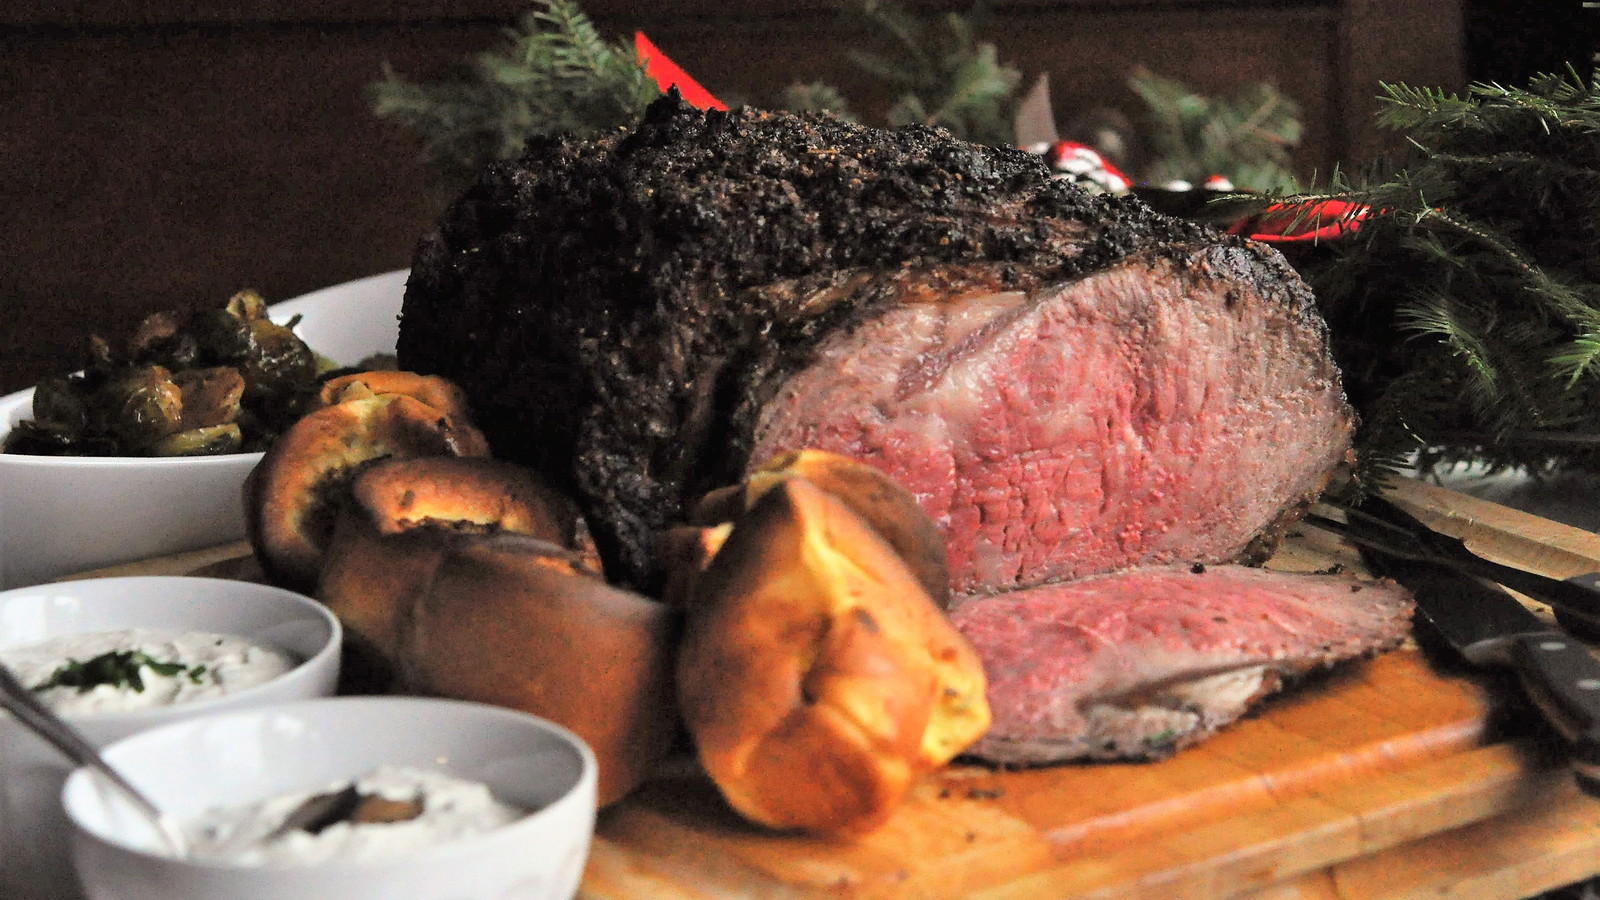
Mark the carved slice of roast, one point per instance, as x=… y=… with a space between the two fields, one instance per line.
x=1137 y=664
x=1069 y=384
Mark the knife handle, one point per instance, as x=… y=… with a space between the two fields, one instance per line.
x=1562 y=677
x=1585 y=627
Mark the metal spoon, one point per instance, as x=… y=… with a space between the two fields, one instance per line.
x=16 y=697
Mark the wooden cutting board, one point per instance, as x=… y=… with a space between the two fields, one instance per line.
x=1394 y=777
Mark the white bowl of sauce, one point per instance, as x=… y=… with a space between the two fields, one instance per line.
x=478 y=802
x=94 y=638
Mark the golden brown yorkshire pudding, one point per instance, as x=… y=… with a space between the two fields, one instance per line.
x=440 y=393
x=885 y=504
x=463 y=493
x=293 y=494
x=817 y=677
x=385 y=547
x=517 y=622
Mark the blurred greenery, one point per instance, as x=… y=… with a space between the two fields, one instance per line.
x=554 y=74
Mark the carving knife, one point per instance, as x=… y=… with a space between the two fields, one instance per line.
x=1382 y=526
x=1489 y=627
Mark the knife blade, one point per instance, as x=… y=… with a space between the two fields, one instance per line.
x=1383 y=526
x=1035 y=119
x=1575 y=600
x=1489 y=627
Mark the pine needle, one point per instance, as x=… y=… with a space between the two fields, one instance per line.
x=941 y=72
x=1480 y=252
x=1247 y=137
x=555 y=74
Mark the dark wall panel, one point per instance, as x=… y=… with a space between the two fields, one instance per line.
x=145 y=171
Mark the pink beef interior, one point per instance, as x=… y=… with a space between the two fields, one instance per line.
x=1136 y=664
x=1153 y=412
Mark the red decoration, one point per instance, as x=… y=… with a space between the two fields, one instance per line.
x=667 y=74
x=1286 y=223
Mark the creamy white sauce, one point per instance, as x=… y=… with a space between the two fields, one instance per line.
x=215 y=664
x=452 y=808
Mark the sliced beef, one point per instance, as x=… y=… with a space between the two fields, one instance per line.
x=1140 y=663
x=1070 y=383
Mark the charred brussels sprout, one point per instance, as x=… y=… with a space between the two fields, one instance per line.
x=221 y=380
x=247 y=306
x=38 y=438
x=278 y=363
x=221 y=335
x=212 y=440
x=138 y=407
x=62 y=402
x=210 y=396
x=161 y=339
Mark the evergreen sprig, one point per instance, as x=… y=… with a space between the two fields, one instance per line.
x=942 y=73
x=816 y=96
x=555 y=74
x=1465 y=312
x=1247 y=137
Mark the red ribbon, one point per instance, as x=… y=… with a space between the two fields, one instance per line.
x=1290 y=222
x=667 y=73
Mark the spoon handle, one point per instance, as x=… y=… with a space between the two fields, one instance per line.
x=16 y=697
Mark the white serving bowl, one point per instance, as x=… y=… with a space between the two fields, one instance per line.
x=61 y=514
x=34 y=861
x=243 y=757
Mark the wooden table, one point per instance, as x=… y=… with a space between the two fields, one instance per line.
x=1394 y=778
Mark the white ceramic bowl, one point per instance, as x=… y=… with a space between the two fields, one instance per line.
x=61 y=515
x=243 y=757
x=33 y=830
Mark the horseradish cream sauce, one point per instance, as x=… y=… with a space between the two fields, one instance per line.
x=447 y=808
x=140 y=668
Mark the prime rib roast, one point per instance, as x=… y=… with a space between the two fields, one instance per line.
x=1071 y=384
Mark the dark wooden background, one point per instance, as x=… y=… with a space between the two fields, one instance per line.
x=157 y=155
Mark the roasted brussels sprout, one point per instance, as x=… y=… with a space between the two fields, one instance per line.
x=212 y=440
x=161 y=339
x=39 y=438
x=61 y=401
x=138 y=406
x=247 y=306
x=211 y=396
x=220 y=380
x=277 y=361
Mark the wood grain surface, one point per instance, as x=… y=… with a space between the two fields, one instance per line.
x=1396 y=777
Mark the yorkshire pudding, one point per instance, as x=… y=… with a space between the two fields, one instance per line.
x=817 y=677
x=518 y=622
x=882 y=502
x=385 y=542
x=293 y=494
x=440 y=393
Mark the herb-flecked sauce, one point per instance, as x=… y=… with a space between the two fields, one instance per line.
x=140 y=668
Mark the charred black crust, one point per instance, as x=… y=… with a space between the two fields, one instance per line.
x=599 y=301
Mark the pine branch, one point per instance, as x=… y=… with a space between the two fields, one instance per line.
x=817 y=97
x=1246 y=138
x=1480 y=250
x=554 y=74
x=905 y=32
x=942 y=73
x=1578 y=358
